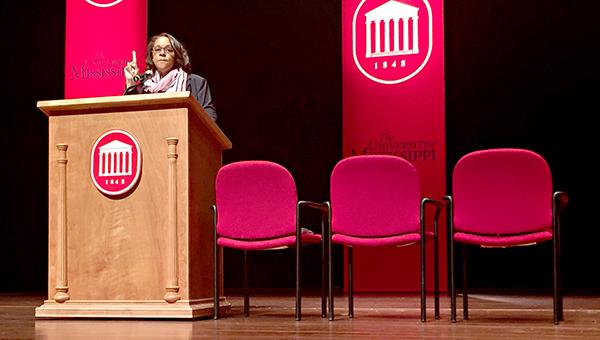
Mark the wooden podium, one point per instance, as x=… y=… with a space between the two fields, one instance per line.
x=146 y=253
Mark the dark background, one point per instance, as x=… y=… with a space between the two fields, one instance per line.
x=518 y=74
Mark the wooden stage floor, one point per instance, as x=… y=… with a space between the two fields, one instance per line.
x=510 y=317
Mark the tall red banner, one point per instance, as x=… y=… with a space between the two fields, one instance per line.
x=393 y=103
x=99 y=38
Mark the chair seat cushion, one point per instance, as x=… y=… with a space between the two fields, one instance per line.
x=395 y=240
x=280 y=242
x=504 y=240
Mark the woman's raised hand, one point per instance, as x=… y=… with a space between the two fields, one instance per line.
x=131 y=70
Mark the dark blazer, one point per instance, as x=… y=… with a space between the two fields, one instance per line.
x=198 y=87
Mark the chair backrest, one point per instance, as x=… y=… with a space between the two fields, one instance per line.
x=374 y=195
x=502 y=191
x=255 y=200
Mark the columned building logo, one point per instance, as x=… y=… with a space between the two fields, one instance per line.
x=105 y=3
x=116 y=162
x=392 y=39
x=391 y=14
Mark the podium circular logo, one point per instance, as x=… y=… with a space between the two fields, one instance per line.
x=107 y=3
x=116 y=162
x=392 y=39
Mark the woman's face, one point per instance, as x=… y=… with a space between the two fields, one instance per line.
x=163 y=55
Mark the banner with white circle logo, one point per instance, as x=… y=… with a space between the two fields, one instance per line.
x=116 y=162
x=99 y=38
x=393 y=103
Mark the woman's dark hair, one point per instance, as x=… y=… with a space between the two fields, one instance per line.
x=182 y=59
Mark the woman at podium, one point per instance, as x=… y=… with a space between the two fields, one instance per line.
x=168 y=69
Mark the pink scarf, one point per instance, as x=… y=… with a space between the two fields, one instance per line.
x=174 y=81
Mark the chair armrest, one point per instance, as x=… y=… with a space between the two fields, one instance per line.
x=323 y=207
x=560 y=199
x=436 y=216
x=449 y=216
x=447 y=199
x=320 y=206
x=437 y=204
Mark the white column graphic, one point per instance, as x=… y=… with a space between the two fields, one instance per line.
x=394 y=11
x=405 y=34
x=387 y=35
x=368 y=39
x=118 y=158
x=377 y=36
x=415 y=21
x=396 y=35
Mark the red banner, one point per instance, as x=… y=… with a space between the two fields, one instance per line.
x=393 y=103
x=99 y=38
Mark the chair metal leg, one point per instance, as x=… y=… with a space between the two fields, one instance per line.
x=555 y=304
x=246 y=296
x=559 y=282
x=350 y=285
x=298 y=280
x=330 y=272
x=436 y=272
x=215 y=277
x=452 y=273
x=556 y=284
x=422 y=265
x=464 y=275
x=324 y=272
x=559 y=200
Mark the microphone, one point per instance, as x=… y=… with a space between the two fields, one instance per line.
x=142 y=77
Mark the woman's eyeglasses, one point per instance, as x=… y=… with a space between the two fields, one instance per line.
x=158 y=49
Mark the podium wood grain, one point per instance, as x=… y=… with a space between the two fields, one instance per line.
x=118 y=249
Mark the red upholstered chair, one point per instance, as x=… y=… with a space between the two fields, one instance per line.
x=503 y=198
x=257 y=209
x=376 y=202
